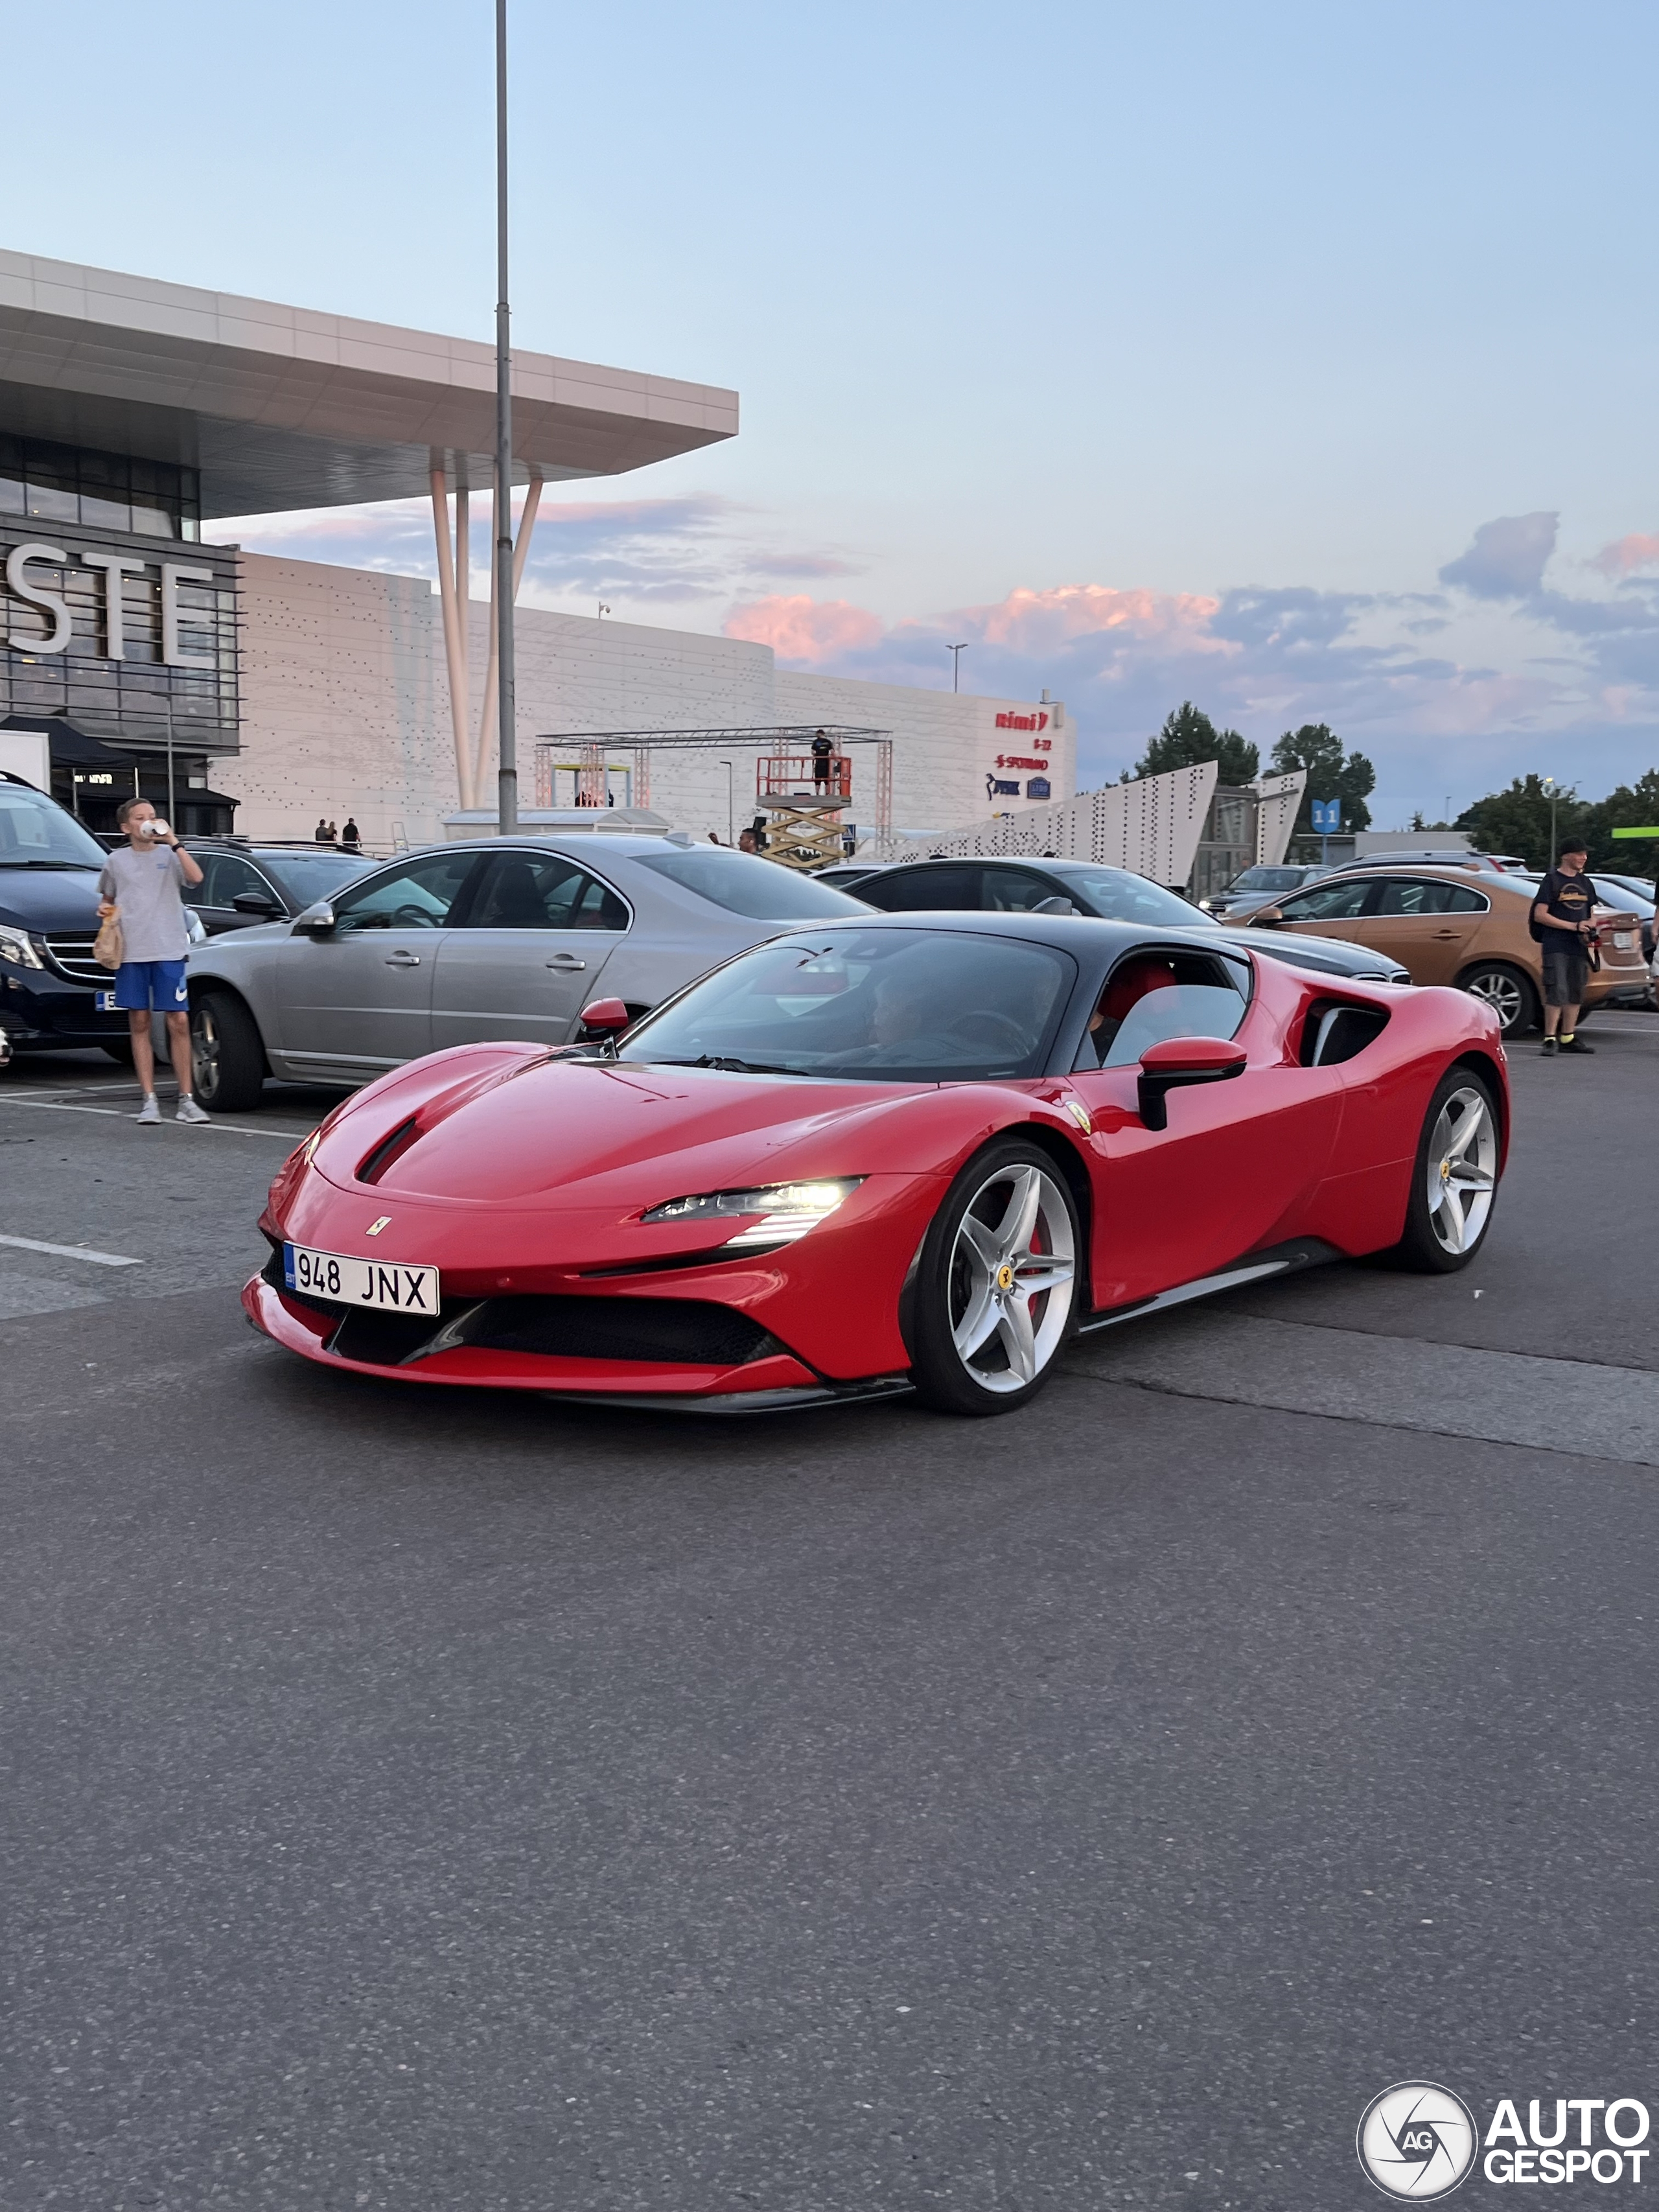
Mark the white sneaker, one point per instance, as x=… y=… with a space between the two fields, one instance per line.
x=149 y=1113
x=189 y=1111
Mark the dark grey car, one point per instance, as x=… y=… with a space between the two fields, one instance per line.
x=986 y=886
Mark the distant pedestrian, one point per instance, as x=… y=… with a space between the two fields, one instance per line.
x=319 y=834
x=143 y=883
x=331 y=835
x=824 y=752
x=351 y=837
x=1561 y=921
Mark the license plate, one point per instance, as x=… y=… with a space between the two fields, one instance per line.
x=388 y=1285
x=1623 y=939
x=105 y=1002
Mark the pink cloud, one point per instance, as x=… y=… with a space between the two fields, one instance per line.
x=801 y=629
x=1625 y=555
x=1028 y=620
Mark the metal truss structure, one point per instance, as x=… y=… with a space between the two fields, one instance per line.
x=586 y=751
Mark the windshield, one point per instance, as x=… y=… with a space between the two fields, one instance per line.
x=1268 y=879
x=35 y=830
x=308 y=876
x=1116 y=895
x=891 y=1006
x=743 y=883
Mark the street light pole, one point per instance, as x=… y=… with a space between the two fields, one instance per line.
x=1549 y=784
x=731 y=811
x=956 y=653
x=507 y=809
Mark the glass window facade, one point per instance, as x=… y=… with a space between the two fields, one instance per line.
x=106 y=491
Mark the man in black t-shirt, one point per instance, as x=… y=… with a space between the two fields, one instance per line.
x=822 y=749
x=1561 y=923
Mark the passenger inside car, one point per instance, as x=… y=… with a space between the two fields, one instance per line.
x=1154 y=996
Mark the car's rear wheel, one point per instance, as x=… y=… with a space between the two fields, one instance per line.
x=227 y=1060
x=996 y=1285
x=1508 y=991
x=1455 y=1179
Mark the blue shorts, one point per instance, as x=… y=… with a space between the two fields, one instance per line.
x=144 y=985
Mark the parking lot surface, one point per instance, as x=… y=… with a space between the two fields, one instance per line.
x=423 y=1801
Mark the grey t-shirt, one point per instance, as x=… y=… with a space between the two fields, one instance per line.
x=147 y=888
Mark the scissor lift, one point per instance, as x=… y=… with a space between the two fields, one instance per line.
x=806 y=808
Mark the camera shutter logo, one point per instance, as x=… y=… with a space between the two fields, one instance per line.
x=1416 y=2142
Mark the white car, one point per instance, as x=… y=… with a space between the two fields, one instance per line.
x=461 y=944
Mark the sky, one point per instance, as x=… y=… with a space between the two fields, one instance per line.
x=1298 y=360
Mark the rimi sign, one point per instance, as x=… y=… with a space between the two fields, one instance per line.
x=124 y=638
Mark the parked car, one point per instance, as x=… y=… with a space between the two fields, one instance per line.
x=845 y=874
x=244 y=883
x=1639 y=890
x=54 y=997
x=915 y=1151
x=1453 y=924
x=465 y=943
x=1263 y=881
x=1045 y=886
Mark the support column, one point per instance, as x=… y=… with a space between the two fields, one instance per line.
x=532 y=499
x=455 y=634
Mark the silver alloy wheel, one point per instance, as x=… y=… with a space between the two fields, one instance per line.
x=1012 y=1278
x=204 y=1050
x=1500 y=991
x=1462 y=1169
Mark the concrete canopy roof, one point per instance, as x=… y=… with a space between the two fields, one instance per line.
x=282 y=408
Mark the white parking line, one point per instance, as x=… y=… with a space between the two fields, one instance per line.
x=71 y=1252
x=121 y=1114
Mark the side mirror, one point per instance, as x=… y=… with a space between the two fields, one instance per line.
x=316 y=919
x=1054 y=906
x=1269 y=918
x=257 y=903
x=1179 y=1061
x=610 y=1017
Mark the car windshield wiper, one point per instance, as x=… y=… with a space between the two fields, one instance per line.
x=88 y=865
x=730 y=1066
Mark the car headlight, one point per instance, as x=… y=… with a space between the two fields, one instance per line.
x=785 y=1210
x=16 y=948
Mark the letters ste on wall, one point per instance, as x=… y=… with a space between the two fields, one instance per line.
x=135 y=600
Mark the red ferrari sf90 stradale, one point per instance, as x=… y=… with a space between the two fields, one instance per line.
x=917 y=1152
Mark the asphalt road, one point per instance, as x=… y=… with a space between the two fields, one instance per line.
x=416 y=1802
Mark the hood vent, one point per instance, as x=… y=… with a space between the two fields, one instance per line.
x=388 y=1150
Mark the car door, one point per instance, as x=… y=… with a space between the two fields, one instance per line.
x=955 y=888
x=1427 y=923
x=1239 y=1162
x=356 y=999
x=1017 y=890
x=1335 y=910
x=227 y=877
x=527 y=954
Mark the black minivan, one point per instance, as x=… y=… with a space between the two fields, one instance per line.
x=54 y=997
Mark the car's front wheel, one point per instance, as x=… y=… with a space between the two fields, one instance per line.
x=996 y=1285
x=1508 y=991
x=227 y=1060
x=1455 y=1179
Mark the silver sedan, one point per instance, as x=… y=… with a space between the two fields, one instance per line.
x=461 y=944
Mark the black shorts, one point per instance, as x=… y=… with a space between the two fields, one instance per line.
x=1566 y=970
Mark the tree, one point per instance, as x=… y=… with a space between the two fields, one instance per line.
x=1630 y=807
x=1331 y=775
x=1189 y=737
x=1518 y=820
